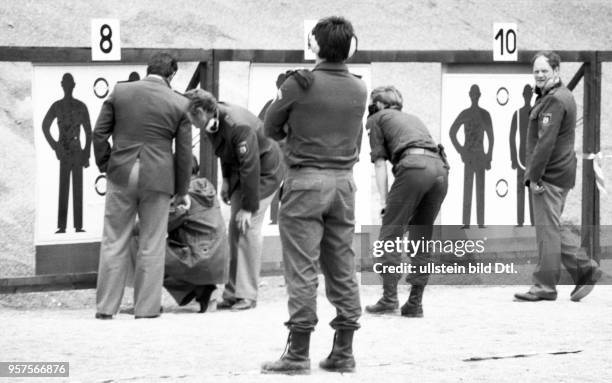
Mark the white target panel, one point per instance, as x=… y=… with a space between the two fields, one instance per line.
x=484 y=111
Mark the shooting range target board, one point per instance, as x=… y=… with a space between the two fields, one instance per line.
x=90 y=84
x=500 y=88
x=262 y=88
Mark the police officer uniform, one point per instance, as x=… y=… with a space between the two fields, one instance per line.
x=253 y=165
x=419 y=188
x=550 y=174
x=323 y=112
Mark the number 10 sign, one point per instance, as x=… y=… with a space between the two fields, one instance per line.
x=504 y=42
x=105 y=40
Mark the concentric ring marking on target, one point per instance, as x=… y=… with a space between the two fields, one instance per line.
x=100 y=87
x=502 y=96
x=100 y=185
x=501 y=188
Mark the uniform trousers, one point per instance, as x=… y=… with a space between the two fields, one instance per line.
x=245 y=251
x=317 y=225
x=413 y=203
x=556 y=243
x=122 y=205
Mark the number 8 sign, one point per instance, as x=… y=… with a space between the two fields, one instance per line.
x=105 y=40
x=504 y=42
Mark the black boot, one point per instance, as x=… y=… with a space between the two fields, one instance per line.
x=388 y=303
x=294 y=360
x=203 y=296
x=413 y=307
x=341 y=357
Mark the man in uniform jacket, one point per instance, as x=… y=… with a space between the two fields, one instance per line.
x=143 y=118
x=252 y=169
x=550 y=174
x=321 y=114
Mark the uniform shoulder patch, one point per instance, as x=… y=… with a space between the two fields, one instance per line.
x=546 y=117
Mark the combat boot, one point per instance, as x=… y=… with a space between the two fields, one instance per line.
x=413 y=308
x=388 y=303
x=294 y=360
x=341 y=358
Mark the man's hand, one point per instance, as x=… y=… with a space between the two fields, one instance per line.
x=243 y=220
x=225 y=191
x=182 y=203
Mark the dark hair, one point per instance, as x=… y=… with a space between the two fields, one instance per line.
x=553 y=59
x=162 y=64
x=388 y=95
x=334 y=35
x=199 y=98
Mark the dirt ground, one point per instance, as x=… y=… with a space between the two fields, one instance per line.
x=182 y=346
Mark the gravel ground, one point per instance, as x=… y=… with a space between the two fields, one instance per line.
x=183 y=346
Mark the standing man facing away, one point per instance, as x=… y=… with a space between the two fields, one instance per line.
x=323 y=111
x=252 y=170
x=550 y=174
x=143 y=118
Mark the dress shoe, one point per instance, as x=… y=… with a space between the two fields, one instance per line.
x=60 y=231
x=79 y=230
x=585 y=285
x=161 y=310
x=530 y=297
x=244 y=304
x=103 y=316
x=226 y=303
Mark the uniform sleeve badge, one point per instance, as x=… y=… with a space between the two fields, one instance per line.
x=546 y=117
x=243 y=149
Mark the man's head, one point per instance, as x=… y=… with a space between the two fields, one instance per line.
x=162 y=64
x=474 y=93
x=387 y=97
x=67 y=83
x=546 y=66
x=203 y=110
x=333 y=39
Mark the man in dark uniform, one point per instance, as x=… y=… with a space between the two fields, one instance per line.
x=550 y=174
x=322 y=111
x=476 y=123
x=252 y=170
x=520 y=120
x=71 y=115
x=420 y=184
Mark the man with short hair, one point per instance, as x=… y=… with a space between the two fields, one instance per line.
x=252 y=170
x=143 y=118
x=321 y=114
x=550 y=174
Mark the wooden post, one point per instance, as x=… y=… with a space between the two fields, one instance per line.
x=590 y=144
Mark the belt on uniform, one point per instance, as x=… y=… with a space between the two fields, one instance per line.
x=423 y=151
